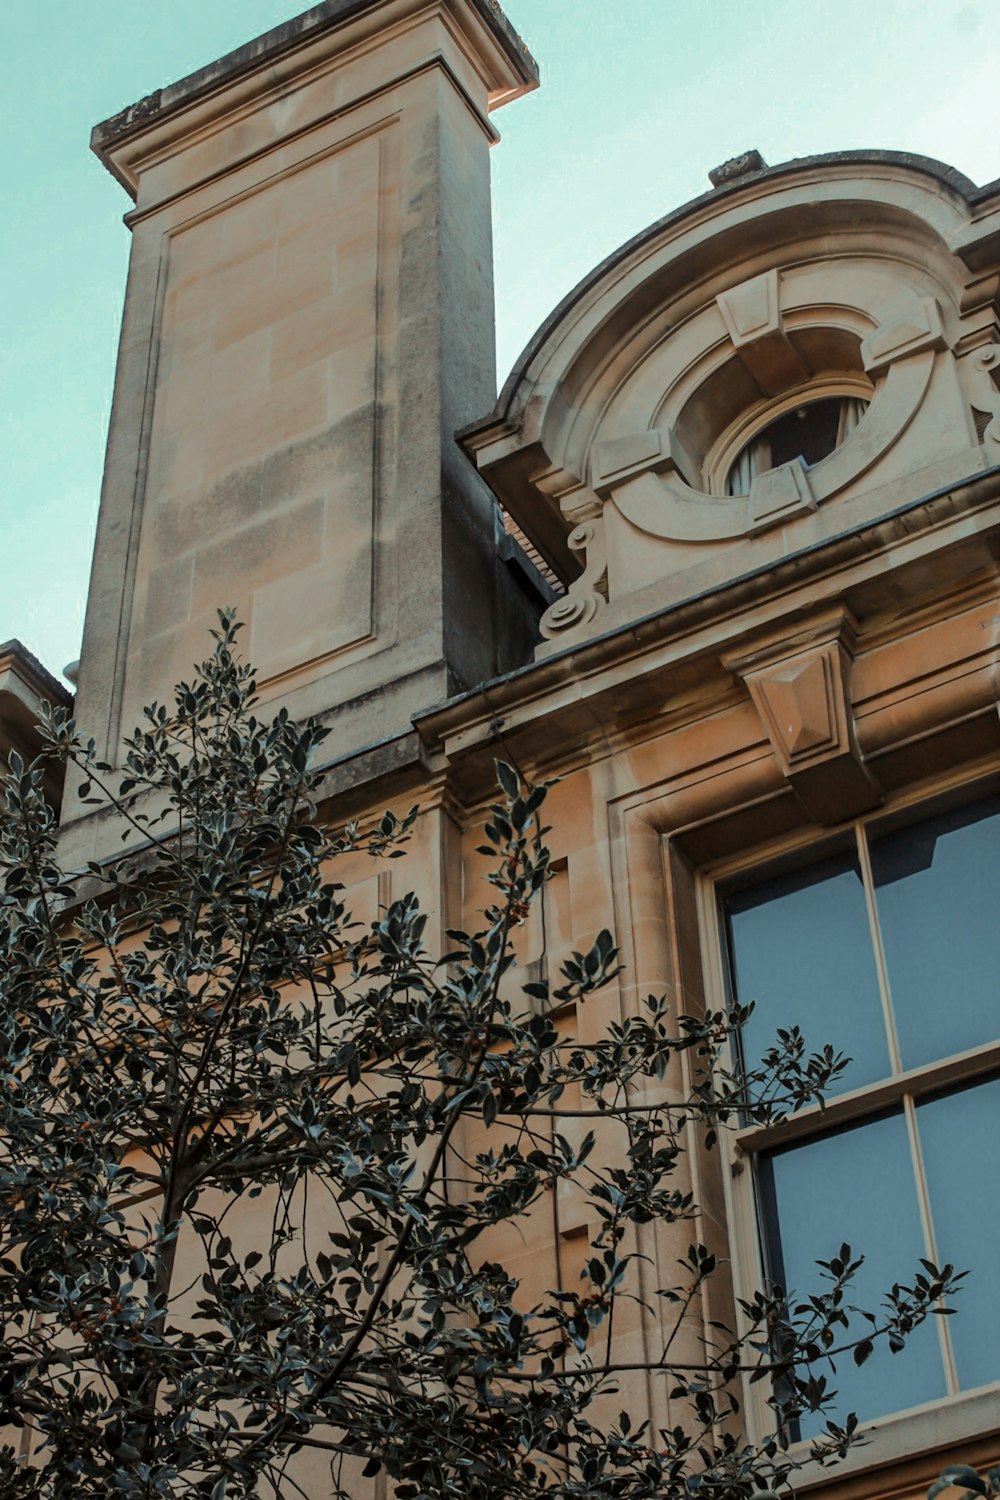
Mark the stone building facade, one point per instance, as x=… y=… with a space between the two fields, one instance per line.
x=723 y=559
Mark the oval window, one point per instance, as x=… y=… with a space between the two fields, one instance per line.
x=809 y=431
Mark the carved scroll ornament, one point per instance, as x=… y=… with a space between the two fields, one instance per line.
x=587 y=595
x=986 y=393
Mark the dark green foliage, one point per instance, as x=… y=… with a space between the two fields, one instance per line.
x=198 y=1033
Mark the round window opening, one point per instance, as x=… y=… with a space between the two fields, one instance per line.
x=809 y=431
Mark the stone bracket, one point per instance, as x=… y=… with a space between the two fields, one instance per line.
x=752 y=315
x=588 y=594
x=800 y=685
x=986 y=394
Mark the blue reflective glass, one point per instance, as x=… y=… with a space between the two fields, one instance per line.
x=801 y=950
x=855 y=1185
x=959 y=1135
x=937 y=889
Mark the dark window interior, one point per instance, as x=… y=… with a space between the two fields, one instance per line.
x=806 y=432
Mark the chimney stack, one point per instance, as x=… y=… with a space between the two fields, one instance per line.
x=308 y=320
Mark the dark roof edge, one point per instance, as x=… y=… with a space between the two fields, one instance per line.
x=25 y=658
x=266 y=48
x=950 y=177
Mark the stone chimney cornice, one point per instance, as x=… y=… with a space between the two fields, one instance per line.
x=125 y=140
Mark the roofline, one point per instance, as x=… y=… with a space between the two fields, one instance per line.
x=948 y=176
x=23 y=658
x=270 y=45
x=631 y=638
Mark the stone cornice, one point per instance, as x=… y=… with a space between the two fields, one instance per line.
x=643 y=676
x=266 y=63
x=18 y=663
x=24 y=686
x=541 y=711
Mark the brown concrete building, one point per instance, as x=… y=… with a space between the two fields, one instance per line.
x=758 y=450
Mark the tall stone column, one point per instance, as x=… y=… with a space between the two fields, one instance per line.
x=308 y=319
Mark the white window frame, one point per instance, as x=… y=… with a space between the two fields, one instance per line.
x=962 y=1415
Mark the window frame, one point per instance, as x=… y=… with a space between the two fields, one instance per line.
x=961 y=1415
x=728 y=446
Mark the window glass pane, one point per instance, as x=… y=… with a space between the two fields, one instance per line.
x=855 y=1185
x=801 y=950
x=958 y=1139
x=938 y=895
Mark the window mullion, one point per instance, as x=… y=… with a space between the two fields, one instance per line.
x=927 y=1220
x=909 y=1105
x=880 y=964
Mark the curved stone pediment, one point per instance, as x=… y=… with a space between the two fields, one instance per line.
x=868 y=281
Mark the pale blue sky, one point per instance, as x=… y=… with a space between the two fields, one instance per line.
x=639 y=99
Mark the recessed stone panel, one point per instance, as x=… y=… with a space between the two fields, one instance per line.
x=261 y=484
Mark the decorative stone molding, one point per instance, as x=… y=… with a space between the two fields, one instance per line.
x=800 y=685
x=861 y=280
x=909 y=328
x=588 y=594
x=986 y=394
x=752 y=315
x=737 y=167
x=658 y=501
x=564 y=486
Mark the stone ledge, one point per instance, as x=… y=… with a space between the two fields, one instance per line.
x=265 y=49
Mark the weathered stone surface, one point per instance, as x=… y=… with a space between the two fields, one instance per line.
x=736 y=167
